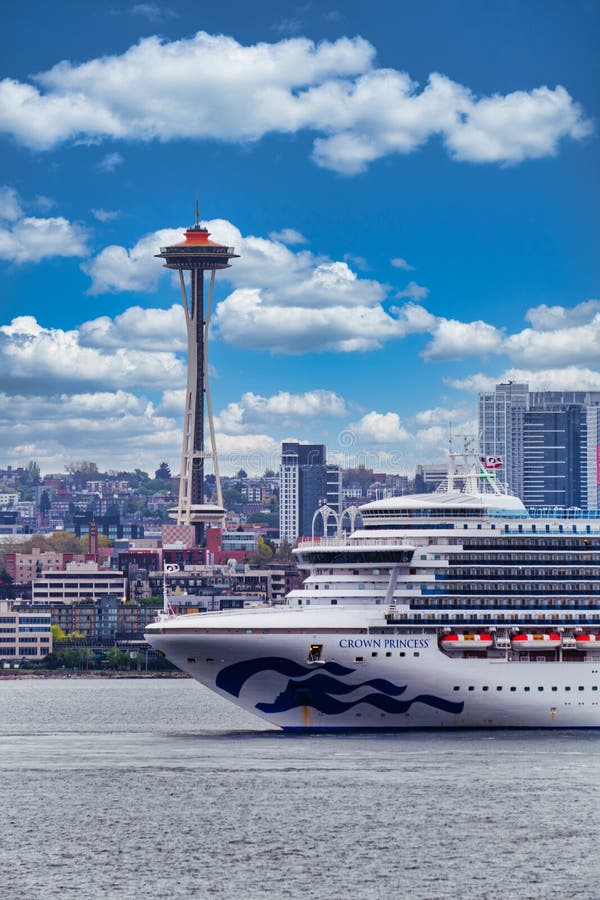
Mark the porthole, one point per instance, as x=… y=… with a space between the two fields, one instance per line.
x=456 y=687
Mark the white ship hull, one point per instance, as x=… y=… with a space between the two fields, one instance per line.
x=259 y=661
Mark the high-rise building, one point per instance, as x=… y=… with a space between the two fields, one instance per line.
x=549 y=442
x=197 y=255
x=306 y=483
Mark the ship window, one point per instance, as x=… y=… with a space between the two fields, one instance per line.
x=209 y=659
x=191 y=659
x=540 y=688
x=594 y=687
x=526 y=688
x=485 y=688
x=567 y=688
x=554 y=688
x=416 y=653
x=580 y=688
x=456 y=687
x=513 y=688
x=402 y=653
x=334 y=601
x=471 y=688
x=499 y=687
x=374 y=653
x=359 y=659
x=314 y=652
x=388 y=653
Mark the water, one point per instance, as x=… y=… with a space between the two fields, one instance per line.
x=157 y=788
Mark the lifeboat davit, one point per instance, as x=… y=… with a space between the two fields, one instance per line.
x=587 y=641
x=538 y=641
x=467 y=641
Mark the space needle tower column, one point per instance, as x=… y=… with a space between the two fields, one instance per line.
x=197 y=255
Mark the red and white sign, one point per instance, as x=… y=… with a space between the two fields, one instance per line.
x=491 y=462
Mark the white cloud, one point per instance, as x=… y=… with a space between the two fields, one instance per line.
x=110 y=162
x=284 y=301
x=457 y=340
x=118 y=430
x=105 y=215
x=476 y=383
x=10 y=205
x=117 y=269
x=561 y=336
x=569 y=378
x=283 y=409
x=34 y=359
x=253 y=452
x=45 y=203
x=551 y=318
x=518 y=126
x=437 y=415
x=288 y=236
x=399 y=263
x=227 y=91
x=31 y=239
x=153 y=12
x=244 y=319
x=142 y=329
x=414 y=291
x=380 y=428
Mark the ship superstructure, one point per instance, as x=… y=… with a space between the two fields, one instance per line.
x=458 y=608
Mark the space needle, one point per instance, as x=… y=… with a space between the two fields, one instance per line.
x=197 y=255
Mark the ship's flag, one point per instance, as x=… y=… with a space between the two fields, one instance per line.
x=491 y=462
x=171 y=567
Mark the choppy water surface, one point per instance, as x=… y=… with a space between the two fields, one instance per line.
x=132 y=789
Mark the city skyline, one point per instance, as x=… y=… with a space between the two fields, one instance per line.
x=414 y=199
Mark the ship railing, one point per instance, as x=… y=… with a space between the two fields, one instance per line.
x=306 y=543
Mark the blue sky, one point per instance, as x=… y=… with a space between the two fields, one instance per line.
x=413 y=189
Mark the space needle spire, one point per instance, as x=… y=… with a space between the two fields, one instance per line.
x=197 y=255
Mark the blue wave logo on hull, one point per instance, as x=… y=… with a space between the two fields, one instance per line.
x=317 y=689
x=232 y=678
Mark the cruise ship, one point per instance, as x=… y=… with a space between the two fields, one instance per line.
x=453 y=609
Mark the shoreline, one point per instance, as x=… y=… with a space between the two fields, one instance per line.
x=20 y=676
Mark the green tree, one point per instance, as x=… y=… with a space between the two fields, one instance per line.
x=163 y=473
x=83 y=471
x=264 y=552
x=67 y=542
x=117 y=658
x=57 y=634
x=284 y=554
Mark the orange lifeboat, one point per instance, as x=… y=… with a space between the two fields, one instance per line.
x=467 y=641
x=587 y=641
x=539 y=641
